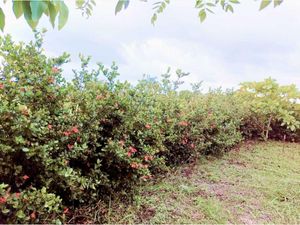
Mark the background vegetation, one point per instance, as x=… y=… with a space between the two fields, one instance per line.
x=67 y=146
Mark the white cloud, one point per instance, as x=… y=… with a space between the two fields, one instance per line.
x=204 y=63
x=225 y=50
x=156 y=55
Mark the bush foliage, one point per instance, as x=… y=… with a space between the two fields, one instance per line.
x=65 y=145
x=273 y=109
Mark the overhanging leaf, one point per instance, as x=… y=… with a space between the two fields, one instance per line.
x=52 y=13
x=277 y=2
x=37 y=9
x=63 y=15
x=119 y=6
x=154 y=18
x=202 y=15
x=2 y=19
x=27 y=14
x=229 y=8
x=79 y=3
x=264 y=4
x=17 y=8
x=234 y=1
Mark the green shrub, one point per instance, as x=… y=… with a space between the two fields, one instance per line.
x=83 y=140
x=31 y=206
x=215 y=120
x=272 y=108
x=68 y=145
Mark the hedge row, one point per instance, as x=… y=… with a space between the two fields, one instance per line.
x=65 y=145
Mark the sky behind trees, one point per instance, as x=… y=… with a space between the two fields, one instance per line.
x=223 y=51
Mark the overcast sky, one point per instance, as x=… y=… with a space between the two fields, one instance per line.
x=223 y=51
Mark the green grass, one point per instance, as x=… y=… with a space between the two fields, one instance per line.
x=257 y=183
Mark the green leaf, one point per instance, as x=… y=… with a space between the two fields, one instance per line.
x=229 y=8
x=5 y=211
x=17 y=8
x=25 y=149
x=199 y=6
x=20 y=140
x=58 y=222
x=277 y=2
x=79 y=3
x=20 y=214
x=264 y=4
x=119 y=6
x=2 y=19
x=210 y=4
x=154 y=18
x=222 y=3
x=26 y=10
x=63 y=15
x=27 y=14
x=52 y=13
x=37 y=9
x=202 y=15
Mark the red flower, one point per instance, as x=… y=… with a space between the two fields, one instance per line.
x=55 y=70
x=183 y=123
x=145 y=177
x=75 y=130
x=25 y=112
x=66 y=210
x=51 y=80
x=70 y=146
x=148 y=126
x=33 y=215
x=134 y=165
x=67 y=133
x=25 y=177
x=184 y=141
x=2 y=200
x=1 y=86
x=17 y=194
x=148 y=158
x=49 y=126
x=78 y=139
x=132 y=149
x=193 y=145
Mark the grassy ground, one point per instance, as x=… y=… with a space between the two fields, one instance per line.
x=257 y=183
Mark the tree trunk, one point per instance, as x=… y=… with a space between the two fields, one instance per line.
x=268 y=128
